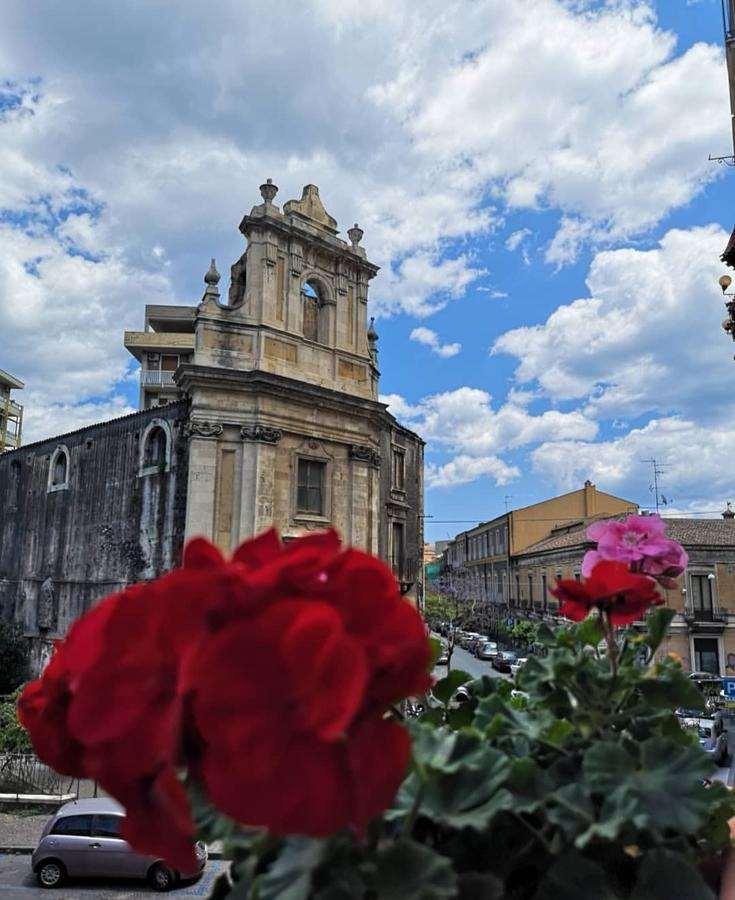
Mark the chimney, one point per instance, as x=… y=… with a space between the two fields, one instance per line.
x=590 y=498
x=728 y=514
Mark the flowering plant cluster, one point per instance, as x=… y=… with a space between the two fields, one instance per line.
x=256 y=701
x=265 y=679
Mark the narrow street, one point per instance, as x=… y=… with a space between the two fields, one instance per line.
x=461 y=659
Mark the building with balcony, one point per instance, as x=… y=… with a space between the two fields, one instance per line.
x=167 y=341
x=702 y=633
x=11 y=413
x=257 y=410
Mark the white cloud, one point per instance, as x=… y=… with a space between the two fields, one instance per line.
x=629 y=348
x=430 y=339
x=696 y=475
x=514 y=241
x=464 y=469
x=464 y=424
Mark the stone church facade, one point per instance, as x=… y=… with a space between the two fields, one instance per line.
x=256 y=411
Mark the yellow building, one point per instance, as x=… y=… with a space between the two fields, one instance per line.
x=11 y=413
x=487 y=551
x=703 y=630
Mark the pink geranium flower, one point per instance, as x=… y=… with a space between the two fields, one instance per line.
x=631 y=540
x=639 y=541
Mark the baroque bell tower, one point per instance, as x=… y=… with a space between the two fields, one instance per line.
x=285 y=427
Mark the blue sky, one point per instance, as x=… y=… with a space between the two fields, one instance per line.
x=531 y=176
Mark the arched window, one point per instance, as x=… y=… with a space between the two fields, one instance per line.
x=156 y=449
x=312 y=308
x=58 y=476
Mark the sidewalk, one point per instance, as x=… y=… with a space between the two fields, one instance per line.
x=21 y=833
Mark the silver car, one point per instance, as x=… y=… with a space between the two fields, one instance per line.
x=83 y=840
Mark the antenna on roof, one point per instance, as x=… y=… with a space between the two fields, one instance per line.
x=507 y=498
x=657 y=471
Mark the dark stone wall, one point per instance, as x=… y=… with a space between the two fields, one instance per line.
x=110 y=527
x=407 y=505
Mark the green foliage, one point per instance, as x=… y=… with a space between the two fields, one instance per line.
x=13 y=657
x=13 y=737
x=524 y=631
x=582 y=785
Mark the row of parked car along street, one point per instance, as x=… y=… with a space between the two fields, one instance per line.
x=501 y=658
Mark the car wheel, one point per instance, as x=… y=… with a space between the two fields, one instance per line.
x=161 y=878
x=50 y=874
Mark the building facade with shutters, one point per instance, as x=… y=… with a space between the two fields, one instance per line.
x=257 y=410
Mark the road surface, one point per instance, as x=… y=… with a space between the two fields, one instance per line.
x=17 y=881
x=461 y=659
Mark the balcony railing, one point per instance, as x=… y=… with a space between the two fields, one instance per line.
x=715 y=615
x=156 y=377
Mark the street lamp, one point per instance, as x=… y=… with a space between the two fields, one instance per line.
x=728 y=324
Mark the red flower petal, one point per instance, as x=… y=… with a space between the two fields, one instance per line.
x=199 y=553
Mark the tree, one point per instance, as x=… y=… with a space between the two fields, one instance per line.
x=13 y=737
x=454 y=604
x=14 y=652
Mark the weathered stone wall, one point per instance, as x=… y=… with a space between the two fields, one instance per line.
x=62 y=549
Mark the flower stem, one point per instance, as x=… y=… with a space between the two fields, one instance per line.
x=612 y=649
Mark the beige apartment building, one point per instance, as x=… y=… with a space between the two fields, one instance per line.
x=486 y=552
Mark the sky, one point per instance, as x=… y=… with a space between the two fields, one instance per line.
x=532 y=176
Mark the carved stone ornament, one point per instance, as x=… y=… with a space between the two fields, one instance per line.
x=262 y=433
x=365 y=454
x=195 y=428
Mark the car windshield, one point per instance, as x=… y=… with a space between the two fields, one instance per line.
x=689 y=713
x=489 y=647
x=511 y=657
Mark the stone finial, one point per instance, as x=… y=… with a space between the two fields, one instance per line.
x=355 y=235
x=268 y=191
x=372 y=334
x=212 y=276
x=728 y=514
x=211 y=279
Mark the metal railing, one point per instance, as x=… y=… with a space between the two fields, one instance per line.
x=24 y=773
x=705 y=614
x=156 y=376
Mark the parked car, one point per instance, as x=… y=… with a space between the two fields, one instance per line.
x=504 y=660
x=518 y=665
x=83 y=840
x=489 y=650
x=712 y=741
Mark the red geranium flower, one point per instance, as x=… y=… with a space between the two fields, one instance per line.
x=610 y=587
x=296 y=683
x=266 y=676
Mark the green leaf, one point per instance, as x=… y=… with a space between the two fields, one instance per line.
x=589 y=631
x=571 y=809
x=660 y=789
x=459 y=776
x=290 y=876
x=409 y=871
x=657 y=622
x=445 y=689
x=669 y=876
x=573 y=877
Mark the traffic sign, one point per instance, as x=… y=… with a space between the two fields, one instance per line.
x=728 y=686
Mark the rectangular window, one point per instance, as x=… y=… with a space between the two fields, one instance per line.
x=107 y=826
x=530 y=588
x=169 y=362
x=397 y=547
x=310 y=486
x=544 y=588
x=706 y=655
x=399 y=469
x=701 y=598
x=518 y=588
